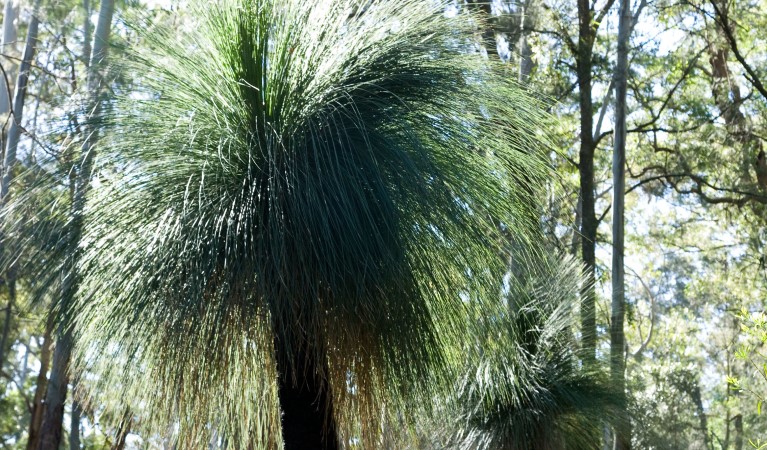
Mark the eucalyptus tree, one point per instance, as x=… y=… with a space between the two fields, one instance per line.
x=618 y=305
x=9 y=157
x=303 y=211
x=8 y=45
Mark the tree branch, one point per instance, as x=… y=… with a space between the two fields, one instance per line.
x=722 y=18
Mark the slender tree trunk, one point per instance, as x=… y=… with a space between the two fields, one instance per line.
x=526 y=22
x=14 y=133
x=74 y=426
x=36 y=421
x=53 y=417
x=9 y=158
x=7 y=320
x=738 y=431
x=122 y=431
x=86 y=56
x=575 y=242
x=586 y=172
x=57 y=389
x=10 y=15
x=617 y=337
x=697 y=400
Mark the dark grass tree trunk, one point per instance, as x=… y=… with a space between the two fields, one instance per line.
x=307 y=419
x=738 y=431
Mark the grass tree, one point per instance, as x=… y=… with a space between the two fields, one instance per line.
x=301 y=215
x=526 y=389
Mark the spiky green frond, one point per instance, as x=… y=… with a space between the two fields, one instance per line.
x=32 y=233
x=527 y=390
x=301 y=177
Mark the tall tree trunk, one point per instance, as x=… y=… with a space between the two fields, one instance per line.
x=575 y=242
x=53 y=417
x=618 y=311
x=57 y=389
x=697 y=400
x=589 y=222
x=74 y=426
x=25 y=365
x=36 y=421
x=86 y=56
x=526 y=23
x=10 y=15
x=7 y=319
x=9 y=158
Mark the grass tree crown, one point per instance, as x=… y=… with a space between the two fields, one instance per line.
x=301 y=179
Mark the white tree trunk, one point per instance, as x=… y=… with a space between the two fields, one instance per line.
x=10 y=17
x=526 y=22
x=14 y=133
x=617 y=337
x=9 y=160
x=86 y=56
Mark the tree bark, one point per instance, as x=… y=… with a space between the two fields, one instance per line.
x=122 y=431
x=55 y=397
x=14 y=133
x=86 y=56
x=618 y=310
x=10 y=15
x=74 y=426
x=7 y=320
x=526 y=22
x=38 y=407
x=738 y=431
x=702 y=417
x=589 y=222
